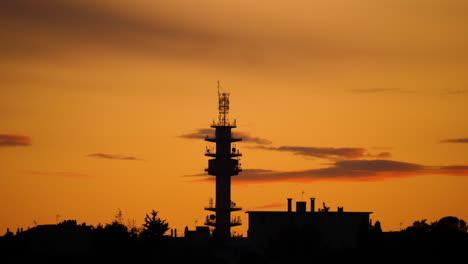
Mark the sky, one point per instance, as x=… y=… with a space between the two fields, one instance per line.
x=104 y=106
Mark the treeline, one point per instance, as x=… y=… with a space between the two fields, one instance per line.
x=117 y=241
x=69 y=238
x=448 y=233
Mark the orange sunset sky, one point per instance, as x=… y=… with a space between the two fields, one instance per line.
x=104 y=106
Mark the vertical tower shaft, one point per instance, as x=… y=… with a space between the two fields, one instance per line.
x=223 y=166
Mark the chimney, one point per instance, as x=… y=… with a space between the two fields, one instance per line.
x=300 y=207
x=312 y=205
x=289 y=204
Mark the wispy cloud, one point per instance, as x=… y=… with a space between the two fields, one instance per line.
x=202 y=133
x=456 y=91
x=348 y=170
x=377 y=90
x=455 y=140
x=265 y=206
x=112 y=156
x=14 y=140
x=250 y=139
x=54 y=27
x=380 y=155
x=65 y=25
x=65 y=174
x=326 y=152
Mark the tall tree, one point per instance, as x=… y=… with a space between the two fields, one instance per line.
x=154 y=227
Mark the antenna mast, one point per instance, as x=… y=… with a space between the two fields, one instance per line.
x=223 y=107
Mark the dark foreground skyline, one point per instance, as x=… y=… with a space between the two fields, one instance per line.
x=361 y=104
x=155 y=241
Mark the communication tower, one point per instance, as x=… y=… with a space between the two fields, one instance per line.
x=223 y=165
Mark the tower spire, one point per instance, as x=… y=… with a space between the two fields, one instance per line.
x=223 y=165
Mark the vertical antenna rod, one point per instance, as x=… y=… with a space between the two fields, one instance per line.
x=223 y=107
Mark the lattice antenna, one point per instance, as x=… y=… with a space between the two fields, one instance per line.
x=223 y=107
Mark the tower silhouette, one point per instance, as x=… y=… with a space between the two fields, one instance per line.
x=225 y=163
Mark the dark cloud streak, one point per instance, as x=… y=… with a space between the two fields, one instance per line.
x=319 y=152
x=266 y=206
x=455 y=140
x=250 y=139
x=202 y=133
x=456 y=91
x=51 y=28
x=14 y=140
x=349 y=170
x=74 y=17
x=111 y=156
x=326 y=152
x=54 y=27
x=377 y=90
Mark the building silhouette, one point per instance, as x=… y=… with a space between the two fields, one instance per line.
x=200 y=233
x=322 y=228
x=223 y=165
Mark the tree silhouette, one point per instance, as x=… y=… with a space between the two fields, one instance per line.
x=154 y=227
x=445 y=224
x=117 y=229
x=420 y=226
x=112 y=237
x=450 y=224
x=376 y=228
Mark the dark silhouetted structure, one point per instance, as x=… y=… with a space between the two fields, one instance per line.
x=200 y=233
x=322 y=228
x=225 y=163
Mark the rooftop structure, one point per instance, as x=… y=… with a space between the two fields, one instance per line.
x=322 y=228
